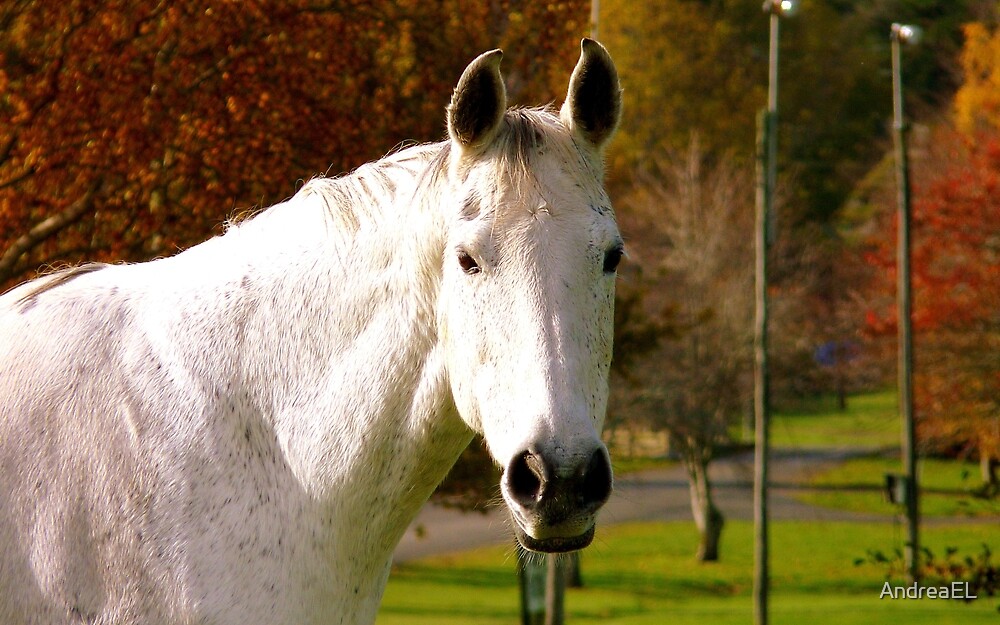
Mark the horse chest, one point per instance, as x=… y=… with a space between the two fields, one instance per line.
x=259 y=545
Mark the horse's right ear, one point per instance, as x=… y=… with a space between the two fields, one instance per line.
x=478 y=104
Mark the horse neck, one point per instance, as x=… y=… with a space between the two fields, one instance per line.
x=343 y=353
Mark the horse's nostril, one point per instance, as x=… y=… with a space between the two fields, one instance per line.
x=533 y=483
x=526 y=477
x=596 y=480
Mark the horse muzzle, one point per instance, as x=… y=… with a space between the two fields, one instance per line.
x=554 y=500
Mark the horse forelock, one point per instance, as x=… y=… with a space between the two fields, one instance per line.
x=530 y=142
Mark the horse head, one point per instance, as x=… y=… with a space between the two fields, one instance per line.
x=527 y=297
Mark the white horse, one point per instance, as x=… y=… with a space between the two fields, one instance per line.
x=241 y=433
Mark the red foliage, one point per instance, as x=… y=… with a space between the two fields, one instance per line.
x=955 y=251
x=955 y=231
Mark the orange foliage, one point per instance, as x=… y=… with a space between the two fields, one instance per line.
x=977 y=102
x=129 y=129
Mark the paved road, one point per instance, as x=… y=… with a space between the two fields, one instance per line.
x=651 y=495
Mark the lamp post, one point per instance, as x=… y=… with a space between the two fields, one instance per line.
x=899 y=34
x=767 y=147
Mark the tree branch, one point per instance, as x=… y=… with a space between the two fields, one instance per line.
x=45 y=229
x=16 y=178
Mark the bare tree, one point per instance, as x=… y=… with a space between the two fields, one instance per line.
x=696 y=258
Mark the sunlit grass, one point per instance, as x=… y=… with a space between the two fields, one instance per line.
x=645 y=573
x=870 y=421
x=947 y=487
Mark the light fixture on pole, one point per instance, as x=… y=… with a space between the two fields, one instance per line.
x=767 y=148
x=899 y=34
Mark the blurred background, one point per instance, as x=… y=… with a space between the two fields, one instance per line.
x=131 y=130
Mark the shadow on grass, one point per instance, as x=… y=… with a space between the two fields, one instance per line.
x=655 y=586
x=453 y=610
x=460 y=576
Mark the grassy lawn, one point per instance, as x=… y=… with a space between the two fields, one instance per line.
x=871 y=421
x=644 y=573
x=945 y=485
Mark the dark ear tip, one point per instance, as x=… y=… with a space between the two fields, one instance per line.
x=590 y=47
x=593 y=54
x=489 y=60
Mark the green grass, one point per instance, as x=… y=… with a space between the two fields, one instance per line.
x=871 y=420
x=945 y=486
x=645 y=574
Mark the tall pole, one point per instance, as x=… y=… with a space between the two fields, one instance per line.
x=761 y=407
x=901 y=33
x=555 y=591
x=767 y=175
x=772 y=124
x=595 y=9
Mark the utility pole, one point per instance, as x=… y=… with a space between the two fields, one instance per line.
x=767 y=157
x=595 y=9
x=761 y=407
x=901 y=33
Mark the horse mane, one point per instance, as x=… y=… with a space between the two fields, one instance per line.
x=354 y=198
x=56 y=278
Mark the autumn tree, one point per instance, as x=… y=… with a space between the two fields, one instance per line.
x=131 y=129
x=956 y=266
x=955 y=231
x=695 y=65
x=685 y=66
x=690 y=65
x=977 y=102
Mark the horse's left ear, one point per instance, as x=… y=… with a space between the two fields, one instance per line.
x=479 y=103
x=593 y=104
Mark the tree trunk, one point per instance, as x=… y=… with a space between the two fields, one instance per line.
x=555 y=590
x=574 y=578
x=841 y=387
x=988 y=465
x=531 y=573
x=707 y=517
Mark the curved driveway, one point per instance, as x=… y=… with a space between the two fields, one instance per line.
x=659 y=494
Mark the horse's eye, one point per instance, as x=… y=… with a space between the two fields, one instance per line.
x=467 y=263
x=612 y=258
